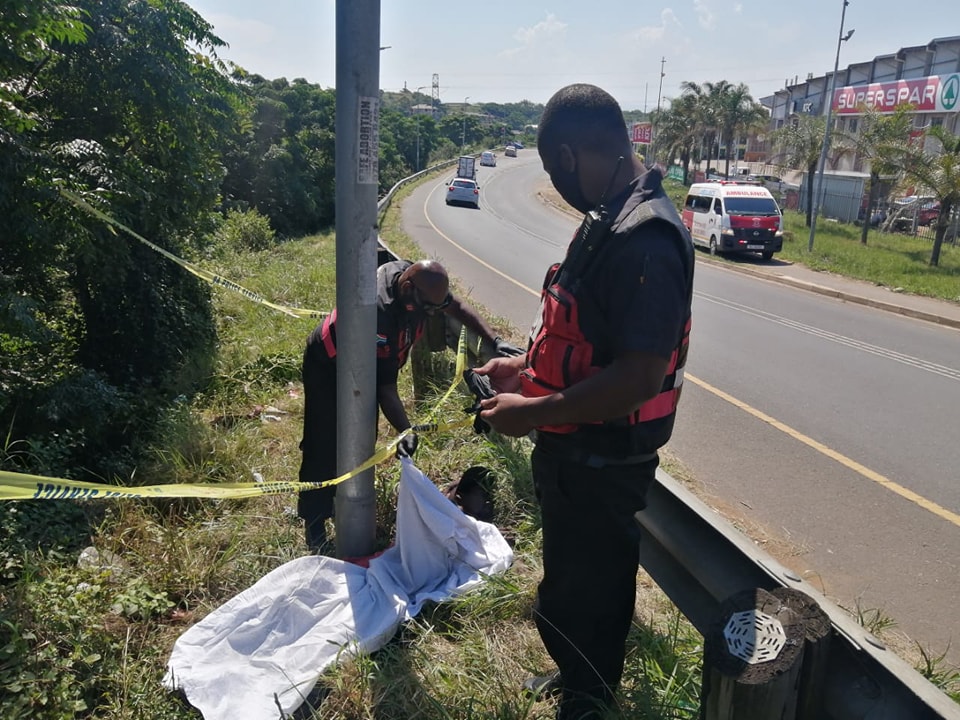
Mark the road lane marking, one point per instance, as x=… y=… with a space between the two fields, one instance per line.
x=851 y=464
x=919 y=363
x=466 y=252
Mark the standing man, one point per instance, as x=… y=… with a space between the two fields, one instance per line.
x=406 y=294
x=599 y=387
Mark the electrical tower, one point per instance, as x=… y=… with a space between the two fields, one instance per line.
x=436 y=92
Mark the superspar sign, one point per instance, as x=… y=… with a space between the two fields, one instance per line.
x=936 y=93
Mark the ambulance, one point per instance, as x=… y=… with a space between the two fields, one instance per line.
x=733 y=217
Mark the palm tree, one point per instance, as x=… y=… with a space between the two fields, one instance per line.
x=705 y=110
x=798 y=145
x=882 y=141
x=738 y=114
x=940 y=172
x=676 y=133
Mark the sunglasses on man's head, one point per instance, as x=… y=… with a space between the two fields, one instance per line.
x=428 y=306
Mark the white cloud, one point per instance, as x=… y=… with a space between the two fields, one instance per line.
x=738 y=8
x=704 y=15
x=548 y=29
x=652 y=33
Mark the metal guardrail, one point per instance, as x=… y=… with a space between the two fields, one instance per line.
x=699 y=560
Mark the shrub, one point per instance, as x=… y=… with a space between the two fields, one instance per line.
x=245 y=230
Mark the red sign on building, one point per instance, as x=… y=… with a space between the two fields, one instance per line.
x=936 y=93
x=642 y=133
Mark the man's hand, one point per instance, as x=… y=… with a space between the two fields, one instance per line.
x=407 y=445
x=505 y=349
x=507 y=413
x=504 y=373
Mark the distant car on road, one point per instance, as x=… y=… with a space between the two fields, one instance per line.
x=488 y=159
x=510 y=151
x=463 y=191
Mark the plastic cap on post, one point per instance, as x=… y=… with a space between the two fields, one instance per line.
x=754 y=637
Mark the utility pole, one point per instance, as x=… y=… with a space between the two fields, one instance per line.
x=656 y=120
x=357 y=171
x=463 y=135
x=816 y=199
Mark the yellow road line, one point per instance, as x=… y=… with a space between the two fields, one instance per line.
x=881 y=480
x=866 y=472
x=462 y=249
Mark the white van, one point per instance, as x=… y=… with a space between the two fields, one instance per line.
x=733 y=217
x=488 y=158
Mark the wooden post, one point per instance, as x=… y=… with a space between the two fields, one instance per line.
x=752 y=660
x=818 y=633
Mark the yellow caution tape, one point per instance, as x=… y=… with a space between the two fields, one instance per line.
x=199 y=272
x=19 y=486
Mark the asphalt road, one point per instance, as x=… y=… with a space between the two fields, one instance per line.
x=828 y=431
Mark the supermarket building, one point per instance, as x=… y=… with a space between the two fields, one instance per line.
x=924 y=76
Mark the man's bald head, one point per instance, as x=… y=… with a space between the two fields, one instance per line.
x=430 y=279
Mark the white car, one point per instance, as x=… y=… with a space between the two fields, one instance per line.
x=465 y=191
x=488 y=159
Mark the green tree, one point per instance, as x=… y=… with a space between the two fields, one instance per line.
x=705 y=111
x=798 y=145
x=130 y=117
x=939 y=171
x=677 y=135
x=738 y=115
x=881 y=141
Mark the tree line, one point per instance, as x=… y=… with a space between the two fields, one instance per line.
x=128 y=105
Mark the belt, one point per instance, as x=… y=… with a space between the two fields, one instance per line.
x=574 y=453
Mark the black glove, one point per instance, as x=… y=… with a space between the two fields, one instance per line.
x=408 y=445
x=505 y=349
x=480 y=386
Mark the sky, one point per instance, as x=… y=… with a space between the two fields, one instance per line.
x=508 y=50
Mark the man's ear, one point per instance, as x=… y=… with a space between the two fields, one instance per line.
x=568 y=160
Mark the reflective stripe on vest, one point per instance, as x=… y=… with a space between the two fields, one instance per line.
x=327 y=332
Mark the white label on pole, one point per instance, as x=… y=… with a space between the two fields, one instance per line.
x=368 y=134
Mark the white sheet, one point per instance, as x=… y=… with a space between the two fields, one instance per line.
x=265 y=649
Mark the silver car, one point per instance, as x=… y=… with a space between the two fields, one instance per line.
x=463 y=191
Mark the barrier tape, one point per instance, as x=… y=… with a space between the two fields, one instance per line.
x=212 y=278
x=20 y=486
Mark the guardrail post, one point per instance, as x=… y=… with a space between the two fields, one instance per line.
x=752 y=660
x=818 y=633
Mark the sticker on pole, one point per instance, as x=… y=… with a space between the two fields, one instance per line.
x=368 y=134
x=754 y=636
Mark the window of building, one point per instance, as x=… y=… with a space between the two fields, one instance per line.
x=852 y=125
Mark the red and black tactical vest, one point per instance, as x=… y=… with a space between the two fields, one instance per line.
x=560 y=355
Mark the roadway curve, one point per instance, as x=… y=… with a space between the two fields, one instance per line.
x=826 y=430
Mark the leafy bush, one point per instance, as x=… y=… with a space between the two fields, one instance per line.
x=245 y=230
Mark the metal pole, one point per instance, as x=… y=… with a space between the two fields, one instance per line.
x=826 y=133
x=422 y=87
x=463 y=136
x=656 y=120
x=357 y=169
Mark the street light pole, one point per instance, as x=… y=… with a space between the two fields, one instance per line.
x=656 y=120
x=422 y=87
x=463 y=135
x=816 y=199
